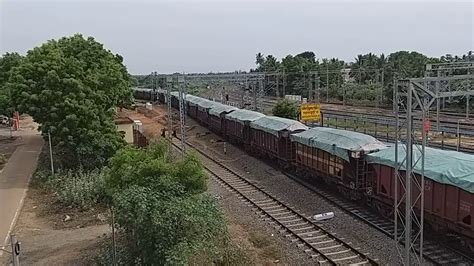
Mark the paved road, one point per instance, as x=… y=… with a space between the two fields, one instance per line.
x=14 y=181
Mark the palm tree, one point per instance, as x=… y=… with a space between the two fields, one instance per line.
x=259 y=60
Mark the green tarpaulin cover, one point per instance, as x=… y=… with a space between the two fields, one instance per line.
x=337 y=141
x=218 y=109
x=274 y=124
x=446 y=167
x=243 y=115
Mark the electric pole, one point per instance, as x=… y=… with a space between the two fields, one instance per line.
x=327 y=82
x=182 y=107
x=169 y=84
x=51 y=152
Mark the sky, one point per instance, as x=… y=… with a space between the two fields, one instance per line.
x=204 y=36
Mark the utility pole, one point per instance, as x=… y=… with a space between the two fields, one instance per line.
x=51 y=152
x=15 y=250
x=383 y=86
x=278 y=85
x=327 y=82
x=255 y=96
x=182 y=107
x=169 y=84
x=114 y=247
x=152 y=95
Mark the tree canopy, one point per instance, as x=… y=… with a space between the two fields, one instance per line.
x=299 y=72
x=70 y=87
x=7 y=62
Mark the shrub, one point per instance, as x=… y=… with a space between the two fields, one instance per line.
x=79 y=189
x=286 y=109
x=161 y=207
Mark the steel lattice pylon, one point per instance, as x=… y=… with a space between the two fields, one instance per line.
x=414 y=98
x=169 y=86
x=182 y=111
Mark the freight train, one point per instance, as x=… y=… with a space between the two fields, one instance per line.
x=358 y=165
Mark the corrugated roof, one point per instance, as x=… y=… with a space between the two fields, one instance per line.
x=337 y=141
x=243 y=115
x=445 y=167
x=274 y=124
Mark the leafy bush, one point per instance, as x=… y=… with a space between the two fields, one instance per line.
x=285 y=108
x=161 y=208
x=155 y=168
x=3 y=158
x=164 y=229
x=79 y=189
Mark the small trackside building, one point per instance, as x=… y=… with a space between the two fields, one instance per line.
x=125 y=127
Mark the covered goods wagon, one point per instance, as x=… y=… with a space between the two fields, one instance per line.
x=217 y=117
x=237 y=125
x=448 y=189
x=336 y=156
x=270 y=135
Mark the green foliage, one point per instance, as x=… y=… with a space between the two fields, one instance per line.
x=78 y=188
x=354 y=91
x=71 y=87
x=298 y=70
x=164 y=229
x=7 y=63
x=285 y=108
x=161 y=207
x=157 y=169
x=3 y=158
x=81 y=189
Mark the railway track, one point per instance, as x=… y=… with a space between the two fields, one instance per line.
x=317 y=242
x=433 y=251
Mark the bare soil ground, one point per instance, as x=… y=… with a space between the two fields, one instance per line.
x=47 y=238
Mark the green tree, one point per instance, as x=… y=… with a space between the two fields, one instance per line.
x=71 y=87
x=285 y=108
x=297 y=70
x=7 y=62
x=330 y=71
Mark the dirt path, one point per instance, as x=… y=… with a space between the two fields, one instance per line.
x=46 y=239
x=15 y=176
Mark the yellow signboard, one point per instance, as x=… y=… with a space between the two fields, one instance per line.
x=311 y=112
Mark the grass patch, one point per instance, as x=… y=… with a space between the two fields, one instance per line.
x=75 y=188
x=3 y=158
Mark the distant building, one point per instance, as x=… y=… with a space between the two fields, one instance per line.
x=346 y=75
x=125 y=127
